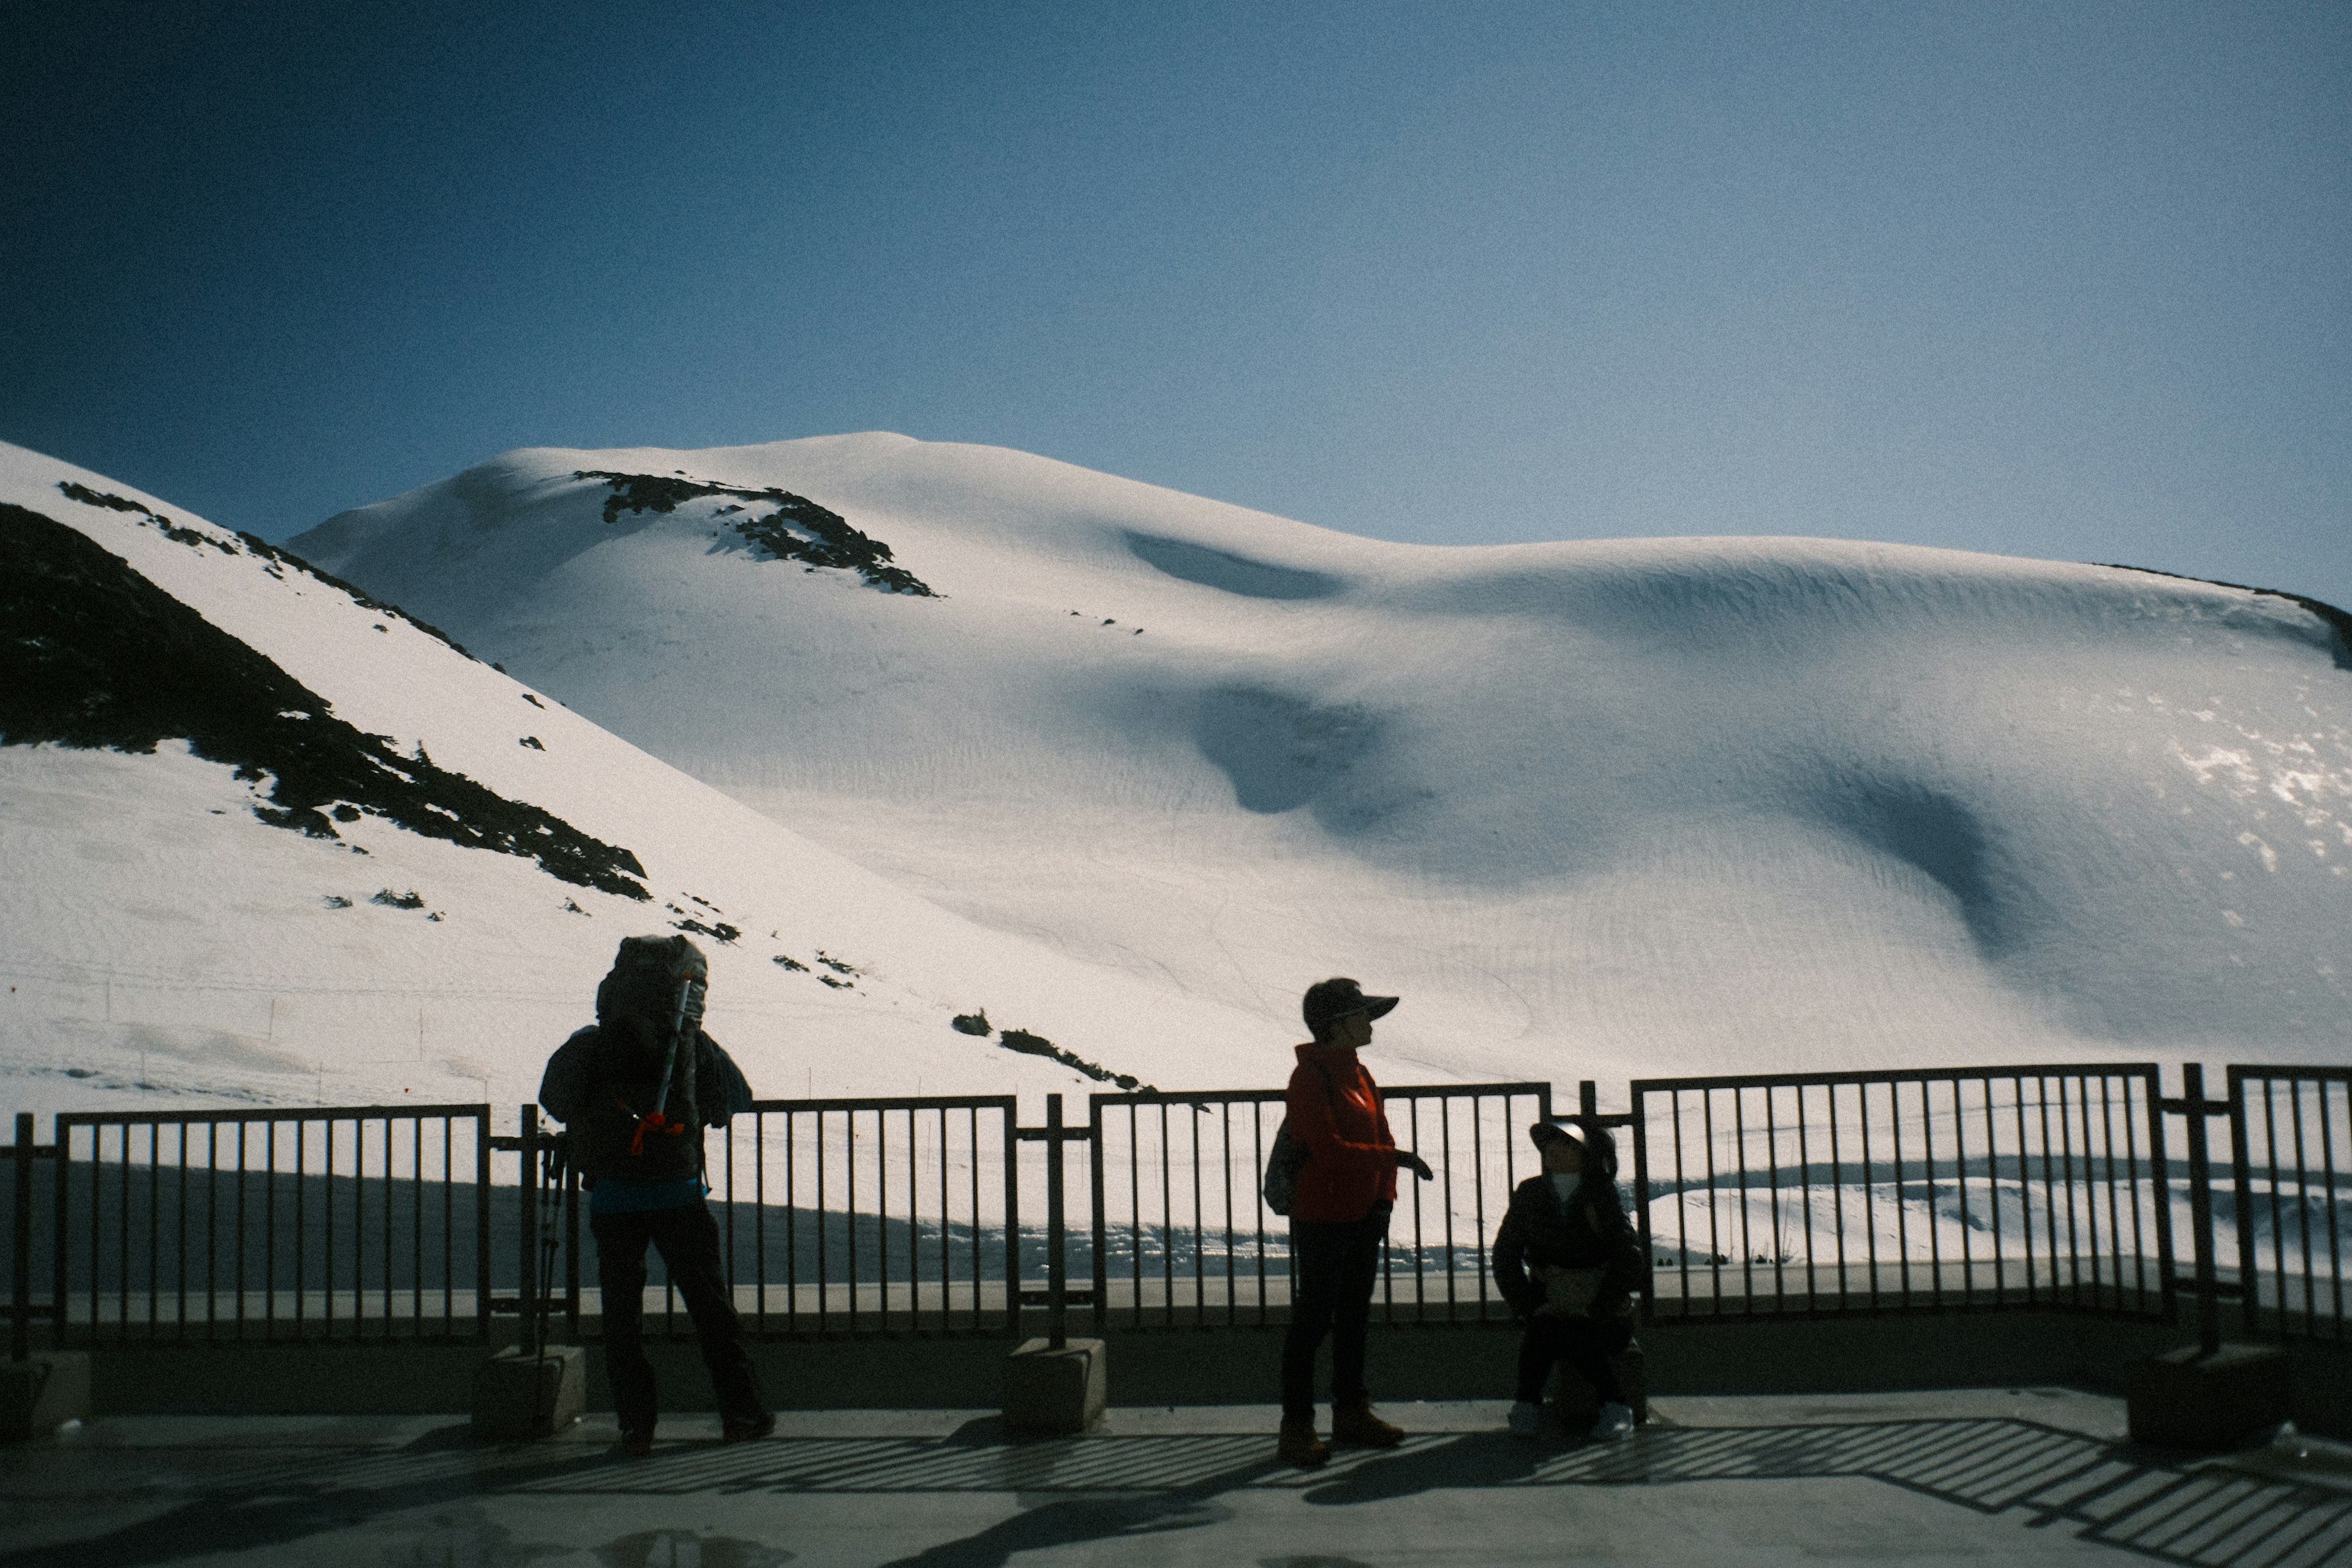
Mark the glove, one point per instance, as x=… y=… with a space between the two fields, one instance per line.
x=1408 y=1161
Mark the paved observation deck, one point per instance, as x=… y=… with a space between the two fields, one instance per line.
x=2027 y=1476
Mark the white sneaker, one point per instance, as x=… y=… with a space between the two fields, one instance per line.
x=1526 y=1418
x=1616 y=1421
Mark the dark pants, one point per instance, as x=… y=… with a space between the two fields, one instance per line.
x=689 y=1239
x=1585 y=1343
x=1336 y=1263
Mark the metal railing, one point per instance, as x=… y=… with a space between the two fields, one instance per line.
x=1938 y=1188
x=2291 y=1147
x=1930 y=1190
x=1182 y=1235
x=357 y=1223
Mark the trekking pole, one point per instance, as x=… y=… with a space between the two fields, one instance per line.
x=553 y=1175
x=656 y=1119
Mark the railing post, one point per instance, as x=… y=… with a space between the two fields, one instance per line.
x=2200 y=1209
x=1588 y=1098
x=20 y=1334
x=527 y=1285
x=1057 y=1305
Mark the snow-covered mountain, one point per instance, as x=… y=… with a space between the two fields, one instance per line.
x=1595 y=809
x=266 y=837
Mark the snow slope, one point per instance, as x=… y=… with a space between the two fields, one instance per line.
x=163 y=939
x=1596 y=809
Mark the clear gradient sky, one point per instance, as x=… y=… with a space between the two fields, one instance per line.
x=2067 y=280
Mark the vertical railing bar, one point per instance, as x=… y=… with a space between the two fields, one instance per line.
x=1420 y=1250
x=154 y=1228
x=849 y=1206
x=1747 y=1224
x=1902 y=1204
x=1012 y=1216
x=1960 y=1177
x=1257 y=1206
x=62 y=1231
x=2115 y=1217
x=1714 y=1203
x=1167 y=1228
x=1135 y=1210
x=2242 y=1209
x=972 y=1115
x=1226 y=1148
x=1927 y=1162
x=792 y=1229
x=1992 y=1193
x=727 y=1209
x=881 y=1212
x=2068 y=1117
x=760 y=1221
x=2091 y=1185
x=1446 y=1132
x=2335 y=1233
x=1478 y=1183
x=1200 y=1231
x=1837 y=1190
x=1682 y=1196
x=1869 y=1193
x=2025 y=1187
x=416 y=1225
x=302 y=1227
x=1772 y=1168
x=180 y=1243
x=2302 y=1205
x=2049 y=1179
x=482 y=1221
x=1805 y=1200
x=2278 y=1224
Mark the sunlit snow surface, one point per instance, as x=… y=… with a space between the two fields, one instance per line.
x=1150 y=763
x=1602 y=809
x=164 y=944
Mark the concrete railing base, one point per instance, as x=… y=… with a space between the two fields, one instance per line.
x=39 y=1395
x=2186 y=1399
x=1049 y=1390
x=519 y=1396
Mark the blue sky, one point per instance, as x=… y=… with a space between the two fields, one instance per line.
x=2070 y=281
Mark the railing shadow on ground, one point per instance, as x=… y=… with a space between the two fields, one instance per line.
x=1109 y=1487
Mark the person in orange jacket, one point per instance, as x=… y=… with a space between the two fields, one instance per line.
x=1338 y=1219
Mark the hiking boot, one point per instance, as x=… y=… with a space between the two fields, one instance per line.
x=1526 y=1418
x=1616 y=1421
x=1300 y=1445
x=1356 y=1424
x=636 y=1442
x=747 y=1428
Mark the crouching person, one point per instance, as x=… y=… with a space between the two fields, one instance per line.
x=636 y=1092
x=1568 y=1263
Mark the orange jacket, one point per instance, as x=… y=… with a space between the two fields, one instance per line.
x=1352 y=1157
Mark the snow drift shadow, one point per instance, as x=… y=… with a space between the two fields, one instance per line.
x=1231 y=573
x=1935 y=834
x=1283 y=751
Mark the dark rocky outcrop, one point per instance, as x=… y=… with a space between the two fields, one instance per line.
x=94 y=656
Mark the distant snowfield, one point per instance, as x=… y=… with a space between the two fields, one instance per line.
x=165 y=945
x=1603 y=810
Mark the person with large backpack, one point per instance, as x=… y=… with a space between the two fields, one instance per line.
x=1339 y=1201
x=635 y=1092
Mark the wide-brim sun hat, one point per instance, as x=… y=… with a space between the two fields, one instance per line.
x=1328 y=1001
x=1546 y=1132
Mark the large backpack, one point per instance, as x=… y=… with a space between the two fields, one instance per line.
x=638 y=1117
x=1289 y=1156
